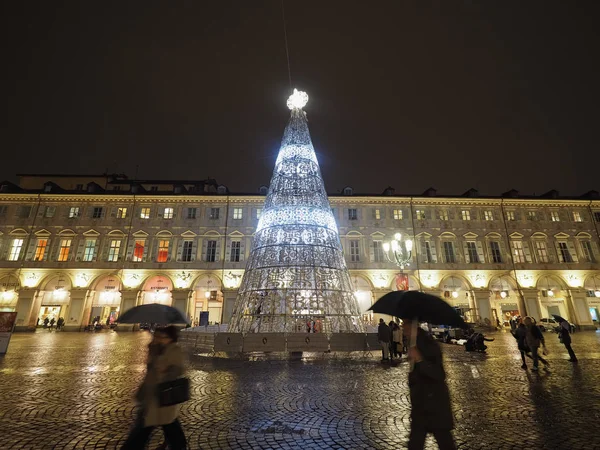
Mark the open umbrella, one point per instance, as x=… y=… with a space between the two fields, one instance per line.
x=153 y=313
x=415 y=305
x=559 y=319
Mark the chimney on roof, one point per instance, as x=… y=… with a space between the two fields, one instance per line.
x=550 y=194
x=513 y=193
x=471 y=193
x=431 y=192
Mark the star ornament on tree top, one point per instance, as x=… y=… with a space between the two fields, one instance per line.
x=297 y=100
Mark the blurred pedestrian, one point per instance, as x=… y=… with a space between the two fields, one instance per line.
x=534 y=338
x=431 y=411
x=384 y=336
x=396 y=341
x=520 y=335
x=52 y=322
x=59 y=323
x=564 y=334
x=165 y=363
x=46 y=322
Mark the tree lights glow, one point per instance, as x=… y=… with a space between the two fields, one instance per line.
x=296 y=272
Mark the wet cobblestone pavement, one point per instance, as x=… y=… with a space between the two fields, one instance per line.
x=73 y=391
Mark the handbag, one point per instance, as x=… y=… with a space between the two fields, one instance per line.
x=173 y=392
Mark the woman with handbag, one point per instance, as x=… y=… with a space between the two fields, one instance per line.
x=165 y=364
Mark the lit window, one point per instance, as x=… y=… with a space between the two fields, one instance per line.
x=211 y=251
x=352 y=214
x=541 y=250
x=163 y=251
x=237 y=213
x=488 y=215
x=420 y=214
x=531 y=215
x=186 y=251
x=563 y=253
x=97 y=212
x=50 y=211
x=496 y=254
x=73 y=212
x=214 y=213
x=443 y=214
x=428 y=252
x=235 y=251
x=472 y=255
x=40 y=249
x=554 y=216
x=518 y=253
x=113 y=250
x=121 y=213
x=65 y=248
x=354 y=252
x=258 y=212
x=449 y=255
x=191 y=213
x=397 y=214
x=577 y=216
x=168 y=213
x=15 y=250
x=138 y=250
x=145 y=213
x=510 y=215
x=466 y=215
x=588 y=254
x=377 y=251
x=89 y=252
x=377 y=214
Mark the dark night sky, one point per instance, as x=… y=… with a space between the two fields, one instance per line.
x=491 y=95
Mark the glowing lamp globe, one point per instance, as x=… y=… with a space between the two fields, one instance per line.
x=297 y=100
x=455 y=294
x=597 y=293
x=409 y=245
x=550 y=293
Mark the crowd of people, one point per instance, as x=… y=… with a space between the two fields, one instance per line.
x=48 y=323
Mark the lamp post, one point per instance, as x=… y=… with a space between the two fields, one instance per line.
x=398 y=251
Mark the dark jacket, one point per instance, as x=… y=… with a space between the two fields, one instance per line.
x=384 y=333
x=520 y=333
x=565 y=335
x=429 y=393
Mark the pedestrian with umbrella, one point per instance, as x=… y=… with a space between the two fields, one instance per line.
x=564 y=334
x=431 y=411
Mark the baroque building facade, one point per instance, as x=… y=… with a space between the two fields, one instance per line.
x=80 y=247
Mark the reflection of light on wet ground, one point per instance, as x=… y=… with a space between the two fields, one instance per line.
x=38 y=371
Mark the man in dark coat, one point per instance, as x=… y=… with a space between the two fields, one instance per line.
x=384 y=336
x=565 y=337
x=429 y=396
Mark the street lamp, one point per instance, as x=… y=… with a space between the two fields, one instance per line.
x=398 y=251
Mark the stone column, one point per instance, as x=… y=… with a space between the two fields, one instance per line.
x=484 y=306
x=75 y=310
x=28 y=306
x=577 y=306
x=129 y=299
x=181 y=301
x=532 y=303
x=229 y=296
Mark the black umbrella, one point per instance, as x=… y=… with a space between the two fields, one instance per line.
x=415 y=305
x=153 y=313
x=559 y=319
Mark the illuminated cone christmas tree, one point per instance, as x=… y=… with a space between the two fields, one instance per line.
x=296 y=273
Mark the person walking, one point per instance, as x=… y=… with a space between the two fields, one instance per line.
x=52 y=322
x=165 y=363
x=431 y=411
x=46 y=322
x=59 y=323
x=564 y=334
x=520 y=335
x=396 y=341
x=384 y=336
x=534 y=338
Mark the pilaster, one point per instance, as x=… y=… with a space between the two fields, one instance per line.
x=532 y=303
x=578 y=308
x=483 y=306
x=181 y=301
x=27 y=307
x=75 y=311
x=229 y=296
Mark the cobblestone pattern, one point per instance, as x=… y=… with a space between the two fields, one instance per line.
x=73 y=391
